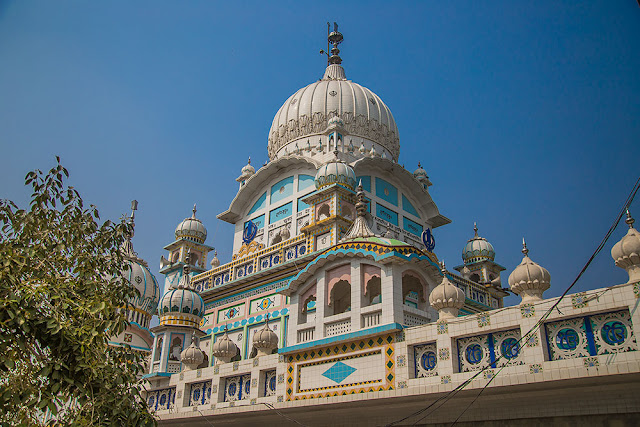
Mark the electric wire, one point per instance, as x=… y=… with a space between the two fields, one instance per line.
x=598 y=249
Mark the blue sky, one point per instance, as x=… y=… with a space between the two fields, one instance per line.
x=524 y=114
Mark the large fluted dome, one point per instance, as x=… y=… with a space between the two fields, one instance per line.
x=306 y=113
x=141 y=278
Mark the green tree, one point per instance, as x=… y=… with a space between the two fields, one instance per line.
x=61 y=297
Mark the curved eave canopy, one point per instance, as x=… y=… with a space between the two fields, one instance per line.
x=425 y=203
x=365 y=248
x=255 y=184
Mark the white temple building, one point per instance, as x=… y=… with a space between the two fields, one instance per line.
x=336 y=309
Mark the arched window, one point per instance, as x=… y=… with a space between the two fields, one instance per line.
x=373 y=290
x=475 y=278
x=340 y=298
x=324 y=212
x=413 y=287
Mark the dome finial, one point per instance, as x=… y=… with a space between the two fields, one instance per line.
x=194 y=211
x=127 y=246
x=629 y=219
x=333 y=38
x=475 y=229
x=525 y=250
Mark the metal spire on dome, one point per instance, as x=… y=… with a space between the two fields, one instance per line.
x=127 y=245
x=525 y=250
x=333 y=37
x=629 y=219
x=475 y=230
x=194 y=211
x=360 y=228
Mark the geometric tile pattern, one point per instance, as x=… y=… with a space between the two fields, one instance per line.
x=341 y=353
x=338 y=372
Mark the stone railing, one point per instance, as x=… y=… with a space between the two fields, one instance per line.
x=264 y=259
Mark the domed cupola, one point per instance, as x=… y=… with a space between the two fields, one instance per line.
x=626 y=253
x=335 y=172
x=307 y=114
x=528 y=279
x=265 y=340
x=181 y=305
x=477 y=249
x=191 y=229
x=224 y=349
x=447 y=298
x=421 y=176
x=139 y=275
x=247 y=172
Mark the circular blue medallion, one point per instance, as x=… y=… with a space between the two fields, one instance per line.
x=163 y=399
x=567 y=339
x=196 y=394
x=509 y=348
x=231 y=390
x=247 y=387
x=614 y=332
x=428 y=361
x=474 y=354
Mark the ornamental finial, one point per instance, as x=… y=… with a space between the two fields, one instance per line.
x=475 y=229
x=525 y=250
x=629 y=219
x=443 y=268
x=194 y=211
x=333 y=38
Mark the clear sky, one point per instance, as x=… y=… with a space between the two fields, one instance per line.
x=526 y=115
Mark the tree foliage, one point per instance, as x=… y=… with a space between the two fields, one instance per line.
x=61 y=296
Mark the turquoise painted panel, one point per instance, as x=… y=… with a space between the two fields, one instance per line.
x=259 y=204
x=281 y=190
x=302 y=205
x=258 y=221
x=408 y=207
x=386 y=214
x=282 y=212
x=412 y=227
x=366 y=182
x=305 y=181
x=386 y=191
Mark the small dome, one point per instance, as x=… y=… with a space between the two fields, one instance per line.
x=335 y=172
x=477 y=249
x=191 y=229
x=224 y=348
x=141 y=278
x=265 y=340
x=215 y=262
x=447 y=298
x=420 y=174
x=182 y=300
x=529 y=280
x=626 y=253
x=192 y=356
x=248 y=169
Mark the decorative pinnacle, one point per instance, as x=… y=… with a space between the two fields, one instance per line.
x=525 y=250
x=333 y=38
x=443 y=268
x=249 y=161
x=629 y=219
x=194 y=211
x=475 y=229
x=419 y=165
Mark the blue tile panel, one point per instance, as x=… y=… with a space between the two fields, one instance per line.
x=386 y=214
x=343 y=337
x=408 y=207
x=282 y=212
x=386 y=191
x=302 y=205
x=305 y=181
x=258 y=221
x=259 y=204
x=411 y=226
x=282 y=190
x=338 y=372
